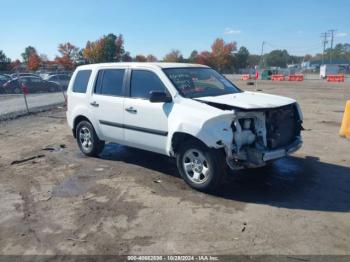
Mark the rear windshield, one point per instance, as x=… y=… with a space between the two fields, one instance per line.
x=194 y=82
x=81 y=81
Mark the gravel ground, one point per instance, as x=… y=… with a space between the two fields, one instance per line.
x=129 y=201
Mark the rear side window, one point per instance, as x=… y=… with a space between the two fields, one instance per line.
x=81 y=81
x=143 y=82
x=110 y=82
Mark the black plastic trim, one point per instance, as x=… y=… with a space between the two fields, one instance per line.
x=135 y=128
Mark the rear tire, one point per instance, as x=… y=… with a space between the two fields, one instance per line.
x=87 y=139
x=201 y=167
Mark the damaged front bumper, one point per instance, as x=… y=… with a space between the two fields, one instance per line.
x=254 y=157
x=275 y=154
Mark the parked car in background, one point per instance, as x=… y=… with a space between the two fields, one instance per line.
x=4 y=78
x=32 y=84
x=15 y=75
x=61 y=79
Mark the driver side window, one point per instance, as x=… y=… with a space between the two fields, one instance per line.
x=143 y=82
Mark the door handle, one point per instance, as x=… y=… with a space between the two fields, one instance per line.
x=95 y=104
x=131 y=110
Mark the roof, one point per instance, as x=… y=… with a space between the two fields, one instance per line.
x=142 y=64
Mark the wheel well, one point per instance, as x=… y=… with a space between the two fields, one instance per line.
x=77 y=120
x=179 y=138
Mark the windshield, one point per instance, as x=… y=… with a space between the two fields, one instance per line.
x=194 y=82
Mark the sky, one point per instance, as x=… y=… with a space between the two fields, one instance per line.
x=158 y=26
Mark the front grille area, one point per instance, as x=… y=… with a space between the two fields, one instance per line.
x=282 y=125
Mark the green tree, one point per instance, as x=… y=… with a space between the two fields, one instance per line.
x=277 y=58
x=29 y=50
x=193 y=57
x=253 y=60
x=113 y=48
x=339 y=52
x=126 y=57
x=242 y=57
x=4 y=61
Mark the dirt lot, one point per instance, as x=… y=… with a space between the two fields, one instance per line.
x=133 y=202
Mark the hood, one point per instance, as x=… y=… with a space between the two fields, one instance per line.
x=249 y=100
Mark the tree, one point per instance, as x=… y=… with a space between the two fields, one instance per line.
x=221 y=56
x=340 y=52
x=15 y=65
x=69 y=55
x=33 y=62
x=253 y=60
x=93 y=51
x=205 y=58
x=126 y=57
x=174 y=56
x=151 y=58
x=108 y=48
x=193 y=56
x=277 y=58
x=27 y=52
x=242 y=57
x=4 y=61
x=140 y=58
x=112 y=48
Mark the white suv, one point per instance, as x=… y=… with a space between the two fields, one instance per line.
x=186 y=111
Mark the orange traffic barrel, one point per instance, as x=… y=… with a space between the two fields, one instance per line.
x=277 y=77
x=297 y=77
x=335 y=78
x=345 y=125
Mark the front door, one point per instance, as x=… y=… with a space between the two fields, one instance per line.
x=146 y=123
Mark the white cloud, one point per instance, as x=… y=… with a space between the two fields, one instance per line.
x=230 y=31
x=341 y=34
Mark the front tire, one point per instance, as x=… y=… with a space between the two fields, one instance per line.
x=87 y=139
x=201 y=167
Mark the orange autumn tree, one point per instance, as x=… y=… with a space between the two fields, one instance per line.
x=174 y=56
x=34 y=62
x=109 y=48
x=221 y=56
x=140 y=58
x=68 y=55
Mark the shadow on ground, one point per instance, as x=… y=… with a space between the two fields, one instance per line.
x=293 y=182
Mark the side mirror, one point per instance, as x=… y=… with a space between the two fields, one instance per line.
x=159 y=97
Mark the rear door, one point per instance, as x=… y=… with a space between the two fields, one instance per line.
x=145 y=123
x=107 y=103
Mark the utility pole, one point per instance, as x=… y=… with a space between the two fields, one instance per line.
x=331 y=32
x=261 y=64
x=261 y=56
x=324 y=37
